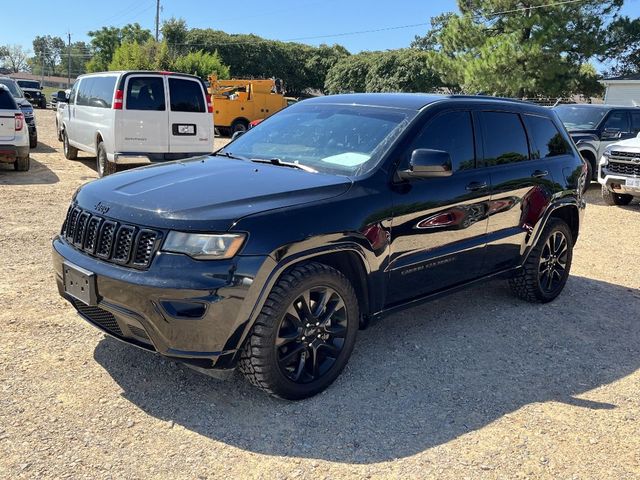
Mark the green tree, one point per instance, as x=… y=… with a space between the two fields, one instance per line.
x=48 y=51
x=105 y=42
x=623 y=47
x=201 y=64
x=174 y=32
x=404 y=70
x=141 y=56
x=521 y=49
x=319 y=61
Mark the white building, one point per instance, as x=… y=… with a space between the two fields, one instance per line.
x=623 y=90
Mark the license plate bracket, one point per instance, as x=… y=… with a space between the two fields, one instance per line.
x=182 y=129
x=79 y=284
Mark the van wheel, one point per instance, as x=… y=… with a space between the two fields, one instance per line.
x=22 y=164
x=611 y=198
x=239 y=126
x=545 y=273
x=304 y=335
x=70 y=153
x=103 y=165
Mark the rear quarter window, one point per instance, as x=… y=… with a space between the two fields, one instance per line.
x=186 y=96
x=547 y=139
x=6 y=100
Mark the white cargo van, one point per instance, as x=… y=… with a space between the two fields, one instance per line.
x=137 y=118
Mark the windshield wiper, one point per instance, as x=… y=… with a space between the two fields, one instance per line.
x=280 y=163
x=230 y=155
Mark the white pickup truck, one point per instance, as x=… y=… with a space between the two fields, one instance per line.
x=619 y=172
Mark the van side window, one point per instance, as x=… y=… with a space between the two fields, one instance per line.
x=451 y=132
x=547 y=140
x=145 y=93
x=102 y=92
x=84 y=91
x=505 y=140
x=72 y=93
x=186 y=96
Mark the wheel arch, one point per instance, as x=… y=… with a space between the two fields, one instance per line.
x=590 y=155
x=348 y=259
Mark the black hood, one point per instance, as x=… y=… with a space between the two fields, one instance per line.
x=204 y=194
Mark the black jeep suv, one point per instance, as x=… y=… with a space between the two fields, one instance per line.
x=271 y=253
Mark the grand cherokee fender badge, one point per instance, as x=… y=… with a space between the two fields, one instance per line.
x=101 y=208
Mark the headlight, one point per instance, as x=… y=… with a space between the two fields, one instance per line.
x=604 y=161
x=204 y=246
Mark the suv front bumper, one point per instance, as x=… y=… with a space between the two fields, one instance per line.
x=188 y=310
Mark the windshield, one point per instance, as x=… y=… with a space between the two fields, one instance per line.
x=580 y=118
x=337 y=139
x=13 y=87
x=29 y=84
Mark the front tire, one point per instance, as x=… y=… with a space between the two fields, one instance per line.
x=611 y=198
x=70 y=153
x=304 y=335
x=239 y=126
x=546 y=270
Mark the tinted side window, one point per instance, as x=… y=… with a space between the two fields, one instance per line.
x=186 y=96
x=102 y=92
x=451 y=132
x=635 y=122
x=505 y=140
x=547 y=140
x=84 y=91
x=617 y=121
x=6 y=100
x=145 y=93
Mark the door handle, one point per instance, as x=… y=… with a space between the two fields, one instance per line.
x=475 y=186
x=540 y=174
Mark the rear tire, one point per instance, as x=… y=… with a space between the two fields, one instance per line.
x=33 y=141
x=304 y=335
x=239 y=126
x=22 y=164
x=546 y=270
x=611 y=198
x=59 y=132
x=103 y=165
x=70 y=153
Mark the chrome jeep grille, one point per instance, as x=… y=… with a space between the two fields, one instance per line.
x=112 y=241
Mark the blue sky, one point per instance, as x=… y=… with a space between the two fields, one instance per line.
x=282 y=20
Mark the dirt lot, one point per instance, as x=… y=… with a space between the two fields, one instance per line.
x=476 y=385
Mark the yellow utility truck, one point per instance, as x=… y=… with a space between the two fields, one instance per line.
x=238 y=102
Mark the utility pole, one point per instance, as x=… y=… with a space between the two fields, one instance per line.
x=157 y=19
x=69 y=61
x=42 y=76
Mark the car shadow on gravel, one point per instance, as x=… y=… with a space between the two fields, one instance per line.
x=417 y=379
x=43 y=148
x=38 y=174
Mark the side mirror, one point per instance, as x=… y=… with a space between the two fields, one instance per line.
x=427 y=163
x=27 y=96
x=236 y=135
x=41 y=88
x=611 y=134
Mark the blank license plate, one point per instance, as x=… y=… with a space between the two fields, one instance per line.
x=184 y=129
x=633 y=182
x=79 y=283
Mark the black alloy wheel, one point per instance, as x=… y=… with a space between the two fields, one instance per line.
x=304 y=334
x=553 y=262
x=312 y=334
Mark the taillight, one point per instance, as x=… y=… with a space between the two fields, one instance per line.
x=19 y=121
x=209 y=103
x=117 y=100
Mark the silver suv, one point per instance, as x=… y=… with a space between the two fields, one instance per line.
x=619 y=172
x=594 y=127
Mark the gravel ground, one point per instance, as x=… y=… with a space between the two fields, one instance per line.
x=476 y=385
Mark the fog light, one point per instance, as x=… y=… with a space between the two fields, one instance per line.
x=181 y=309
